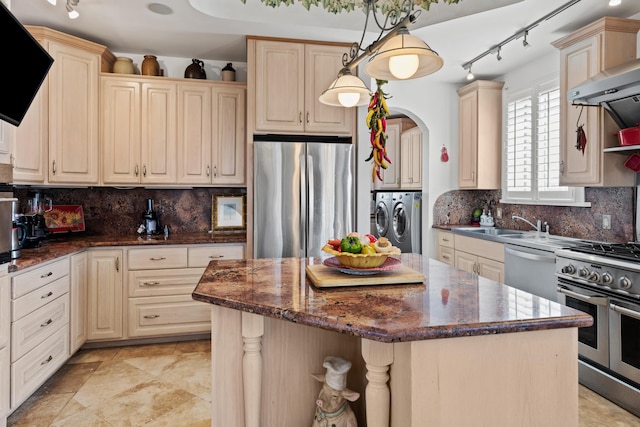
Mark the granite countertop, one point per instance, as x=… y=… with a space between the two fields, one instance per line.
x=451 y=302
x=64 y=244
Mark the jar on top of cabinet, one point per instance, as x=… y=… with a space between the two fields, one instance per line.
x=123 y=65
x=150 y=66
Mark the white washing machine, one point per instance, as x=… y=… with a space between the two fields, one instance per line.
x=399 y=218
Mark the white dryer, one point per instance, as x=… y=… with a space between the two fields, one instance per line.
x=406 y=221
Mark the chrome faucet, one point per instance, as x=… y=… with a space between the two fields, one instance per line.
x=537 y=227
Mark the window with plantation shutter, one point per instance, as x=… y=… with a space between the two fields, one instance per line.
x=531 y=155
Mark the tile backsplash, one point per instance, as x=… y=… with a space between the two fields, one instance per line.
x=456 y=207
x=111 y=211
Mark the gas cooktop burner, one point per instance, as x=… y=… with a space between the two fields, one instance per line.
x=623 y=251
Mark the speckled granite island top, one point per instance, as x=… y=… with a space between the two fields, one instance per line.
x=451 y=302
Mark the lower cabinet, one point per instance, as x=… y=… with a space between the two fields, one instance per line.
x=78 y=301
x=104 y=295
x=40 y=310
x=5 y=360
x=479 y=256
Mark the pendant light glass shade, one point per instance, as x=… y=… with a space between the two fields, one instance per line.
x=346 y=91
x=403 y=57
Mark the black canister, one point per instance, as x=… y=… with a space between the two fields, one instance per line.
x=195 y=70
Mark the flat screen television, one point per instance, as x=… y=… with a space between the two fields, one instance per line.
x=24 y=74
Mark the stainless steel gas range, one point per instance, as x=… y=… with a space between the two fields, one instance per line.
x=604 y=281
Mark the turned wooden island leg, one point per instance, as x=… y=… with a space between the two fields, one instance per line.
x=252 y=332
x=378 y=357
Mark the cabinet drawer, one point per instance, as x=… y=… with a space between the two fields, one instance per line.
x=148 y=259
x=200 y=256
x=38 y=298
x=24 y=283
x=167 y=315
x=445 y=238
x=447 y=255
x=31 y=371
x=480 y=247
x=34 y=328
x=148 y=283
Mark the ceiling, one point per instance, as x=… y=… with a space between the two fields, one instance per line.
x=215 y=29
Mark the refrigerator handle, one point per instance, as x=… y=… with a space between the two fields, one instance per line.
x=302 y=250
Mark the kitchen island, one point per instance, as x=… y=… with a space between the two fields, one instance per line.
x=456 y=350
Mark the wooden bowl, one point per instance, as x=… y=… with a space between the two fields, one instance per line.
x=360 y=260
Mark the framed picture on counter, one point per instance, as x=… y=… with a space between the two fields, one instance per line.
x=229 y=212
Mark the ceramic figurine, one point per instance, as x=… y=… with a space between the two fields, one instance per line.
x=332 y=404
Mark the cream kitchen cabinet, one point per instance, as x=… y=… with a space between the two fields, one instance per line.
x=104 y=295
x=160 y=283
x=7 y=132
x=5 y=361
x=78 y=301
x=391 y=175
x=39 y=326
x=139 y=139
x=288 y=78
x=211 y=133
x=483 y=257
x=480 y=135
x=411 y=159
x=598 y=46
x=57 y=142
x=445 y=249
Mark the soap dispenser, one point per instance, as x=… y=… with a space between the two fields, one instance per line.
x=490 y=221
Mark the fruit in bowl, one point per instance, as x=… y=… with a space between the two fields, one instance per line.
x=361 y=251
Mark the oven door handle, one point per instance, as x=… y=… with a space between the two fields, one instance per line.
x=625 y=311
x=584 y=298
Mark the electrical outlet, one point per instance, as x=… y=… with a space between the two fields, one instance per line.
x=498 y=213
x=606 y=222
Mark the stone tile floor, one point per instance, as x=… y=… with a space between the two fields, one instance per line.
x=170 y=385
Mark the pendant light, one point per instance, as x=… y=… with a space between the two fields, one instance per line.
x=346 y=91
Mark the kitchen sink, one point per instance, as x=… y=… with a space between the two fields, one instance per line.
x=493 y=231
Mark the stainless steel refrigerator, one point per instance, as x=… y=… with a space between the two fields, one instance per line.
x=304 y=194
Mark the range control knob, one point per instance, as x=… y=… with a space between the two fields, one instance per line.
x=568 y=269
x=607 y=279
x=624 y=282
x=583 y=272
x=594 y=277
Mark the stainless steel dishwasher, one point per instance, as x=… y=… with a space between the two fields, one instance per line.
x=531 y=270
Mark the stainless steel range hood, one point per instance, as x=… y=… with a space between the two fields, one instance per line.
x=616 y=89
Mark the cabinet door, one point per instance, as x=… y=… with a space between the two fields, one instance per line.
x=466 y=262
x=158 y=136
x=468 y=140
x=391 y=175
x=78 y=302
x=411 y=153
x=5 y=390
x=5 y=311
x=491 y=269
x=7 y=132
x=105 y=295
x=194 y=133
x=229 y=135
x=73 y=115
x=279 y=82
x=31 y=142
x=322 y=64
x=120 y=131
x=580 y=62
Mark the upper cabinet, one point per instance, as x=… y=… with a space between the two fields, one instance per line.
x=600 y=45
x=480 y=135
x=411 y=158
x=171 y=131
x=58 y=139
x=289 y=77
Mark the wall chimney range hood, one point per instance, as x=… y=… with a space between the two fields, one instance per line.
x=617 y=89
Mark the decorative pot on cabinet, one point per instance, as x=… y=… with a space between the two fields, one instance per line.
x=123 y=65
x=150 y=66
x=228 y=73
x=195 y=70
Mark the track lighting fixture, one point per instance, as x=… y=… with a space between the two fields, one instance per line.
x=73 y=14
x=396 y=55
x=523 y=33
x=470 y=75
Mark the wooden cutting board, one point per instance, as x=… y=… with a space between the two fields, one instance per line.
x=326 y=277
